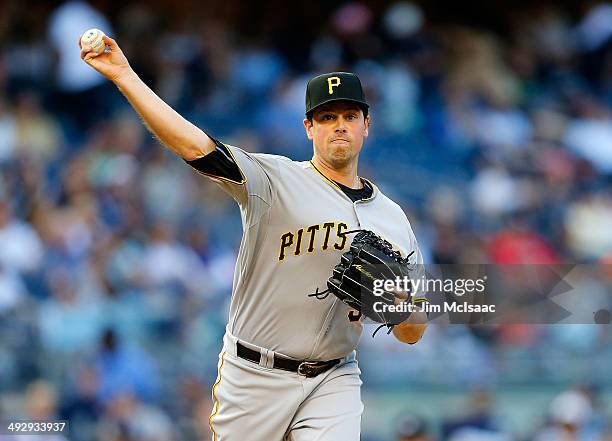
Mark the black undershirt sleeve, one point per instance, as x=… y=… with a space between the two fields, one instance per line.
x=218 y=163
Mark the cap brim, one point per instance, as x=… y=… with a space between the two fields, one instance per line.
x=331 y=100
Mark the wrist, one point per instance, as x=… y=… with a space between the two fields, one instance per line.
x=408 y=332
x=412 y=329
x=125 y=77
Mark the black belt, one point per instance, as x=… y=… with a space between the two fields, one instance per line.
x=305 y=368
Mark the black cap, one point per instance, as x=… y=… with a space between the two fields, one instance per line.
x=334 y=86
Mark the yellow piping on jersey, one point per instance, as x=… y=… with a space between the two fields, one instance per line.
x=325 y=177
x=338 y=187
x=221 y=178
x=215 y=399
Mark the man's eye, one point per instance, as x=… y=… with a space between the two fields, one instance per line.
x=351 y=116
x=327 y=117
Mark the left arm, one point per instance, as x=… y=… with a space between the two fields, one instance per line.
x=411 y=330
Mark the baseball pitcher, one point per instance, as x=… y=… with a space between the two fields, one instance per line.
x=287 y=370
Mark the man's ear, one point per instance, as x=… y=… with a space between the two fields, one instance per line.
x=308 y=127
x=366 y=128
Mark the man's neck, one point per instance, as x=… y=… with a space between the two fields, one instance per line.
x=346 y=176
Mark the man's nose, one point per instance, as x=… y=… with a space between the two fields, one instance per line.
x=340 y=125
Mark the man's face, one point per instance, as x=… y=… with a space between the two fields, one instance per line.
x=337 y=131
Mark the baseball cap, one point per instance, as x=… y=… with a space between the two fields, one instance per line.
x=334 y=86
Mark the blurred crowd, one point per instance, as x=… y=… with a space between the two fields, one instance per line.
x=116 y=259
x=574 y=414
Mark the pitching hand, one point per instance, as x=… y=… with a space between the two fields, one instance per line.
x=110 y=63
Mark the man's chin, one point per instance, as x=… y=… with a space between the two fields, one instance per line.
x=340 y=151
x=338 y=160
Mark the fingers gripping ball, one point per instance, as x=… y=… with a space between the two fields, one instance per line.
x=93 y=38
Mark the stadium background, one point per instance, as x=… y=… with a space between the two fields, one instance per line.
x=492 y=126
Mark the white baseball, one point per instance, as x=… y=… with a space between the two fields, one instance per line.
x=93 y=37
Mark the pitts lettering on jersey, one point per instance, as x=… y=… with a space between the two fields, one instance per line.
x=328 y=235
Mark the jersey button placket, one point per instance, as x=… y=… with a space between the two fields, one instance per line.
x=357 y=210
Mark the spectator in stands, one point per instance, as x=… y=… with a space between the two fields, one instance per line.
x=412 y=428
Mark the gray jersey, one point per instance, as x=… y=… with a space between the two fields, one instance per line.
x=293 y=218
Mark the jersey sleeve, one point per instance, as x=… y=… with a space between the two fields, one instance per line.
x=247 y=177
x=219 y=164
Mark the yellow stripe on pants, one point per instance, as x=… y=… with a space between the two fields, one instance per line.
x=215 y=400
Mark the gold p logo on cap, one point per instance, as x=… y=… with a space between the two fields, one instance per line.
x=333 y=82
